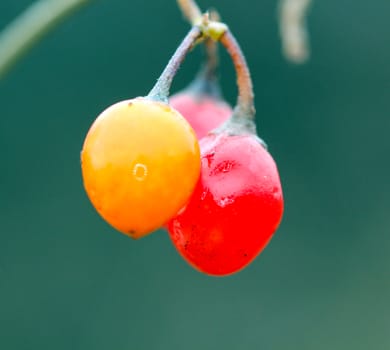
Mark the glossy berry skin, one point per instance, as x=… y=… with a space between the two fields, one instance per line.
x=140 y=164
x=203 y=112
x=235 y=209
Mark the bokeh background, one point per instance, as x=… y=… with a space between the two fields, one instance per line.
x=69 y=281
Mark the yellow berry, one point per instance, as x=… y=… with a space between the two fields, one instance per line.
x=140 y=163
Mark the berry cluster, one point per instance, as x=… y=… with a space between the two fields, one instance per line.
x=191 y=164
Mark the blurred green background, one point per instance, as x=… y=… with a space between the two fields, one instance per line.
x=69 y=281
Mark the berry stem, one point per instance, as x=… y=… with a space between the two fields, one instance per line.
x=27 y=29
x=160 y=91
x=190 y=10
x=245 y=103
x=193 y=14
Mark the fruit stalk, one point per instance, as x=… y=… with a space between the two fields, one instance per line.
x=160 y=91
x=193 y=14
x=245 y=102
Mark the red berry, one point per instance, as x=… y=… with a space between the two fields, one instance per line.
x=203 y=112
x=235 y=209
x=202 y=104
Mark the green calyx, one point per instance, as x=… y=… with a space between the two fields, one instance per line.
x=211 y=29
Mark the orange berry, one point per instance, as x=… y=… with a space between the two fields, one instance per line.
x=140 y=163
